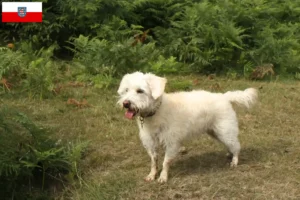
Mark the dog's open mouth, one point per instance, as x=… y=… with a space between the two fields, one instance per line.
x=130 y=113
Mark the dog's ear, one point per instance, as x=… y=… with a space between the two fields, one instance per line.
x=121 y=86
x=156 y=84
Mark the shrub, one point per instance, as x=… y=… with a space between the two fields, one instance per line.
x=99 y=56
x=11 y=63
x=34 y=71
x=165 y=66
x=208 y=36
x=42 y=72
x=29 y=156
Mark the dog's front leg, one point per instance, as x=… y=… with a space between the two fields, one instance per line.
x=171 y=152
x=153 y=171
x=150 y=145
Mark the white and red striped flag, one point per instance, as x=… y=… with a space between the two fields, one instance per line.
x=22 y=12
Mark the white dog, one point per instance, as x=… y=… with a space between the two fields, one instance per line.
x=168 y=119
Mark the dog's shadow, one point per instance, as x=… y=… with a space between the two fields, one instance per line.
x=212 y=161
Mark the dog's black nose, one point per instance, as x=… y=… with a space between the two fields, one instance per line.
x=126 y=104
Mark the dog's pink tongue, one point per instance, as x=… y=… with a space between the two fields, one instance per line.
x=129 y=114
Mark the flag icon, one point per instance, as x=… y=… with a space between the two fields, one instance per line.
x=22 y=12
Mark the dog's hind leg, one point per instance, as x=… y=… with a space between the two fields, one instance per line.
x=234 y=149
x=212 y=134
x=228 y=135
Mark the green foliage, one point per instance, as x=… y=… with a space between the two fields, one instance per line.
x=278 y=44
x=165 y=66
x=220 y=35
x=34 y=70
x=297 y=76
x=41 y=73
x=209 y=36
x=102 y=60
x=11 y=63
x=28 y=154
x=159 y=13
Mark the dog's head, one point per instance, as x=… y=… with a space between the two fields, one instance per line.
x=140 y=93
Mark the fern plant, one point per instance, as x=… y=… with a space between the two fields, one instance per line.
x=26 y=149
x=42 y=72
x=11 y=63
x=208 y=36
x=30 y=70
x=93 y=56
x=204 y=37
x=165 y=66
x=278 y=45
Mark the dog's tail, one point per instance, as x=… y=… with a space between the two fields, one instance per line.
x=246 y=98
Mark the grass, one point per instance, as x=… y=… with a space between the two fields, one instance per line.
x=116 y=162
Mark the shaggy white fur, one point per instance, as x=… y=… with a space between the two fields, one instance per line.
x=168 y=119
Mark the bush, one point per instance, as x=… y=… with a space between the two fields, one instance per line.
x=29 y=156
x=209 y=36
x=34 y=71
x=11 y=63
x=165 y=66
x=99 y=56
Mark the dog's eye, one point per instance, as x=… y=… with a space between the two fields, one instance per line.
x=140 y=91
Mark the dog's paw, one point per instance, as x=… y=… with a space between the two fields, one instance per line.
x=149 y=178
x=163 y=178
x=234 y=162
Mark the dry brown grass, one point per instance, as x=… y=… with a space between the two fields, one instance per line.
x=116 y=162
